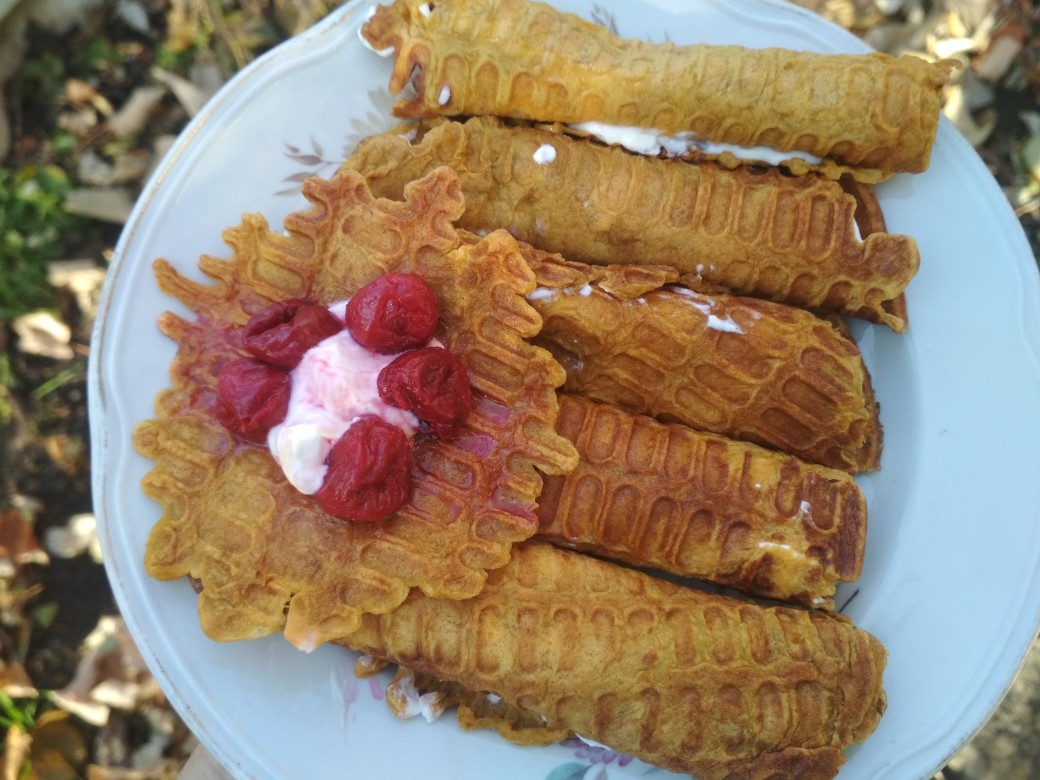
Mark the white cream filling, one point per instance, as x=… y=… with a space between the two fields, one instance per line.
x=548 y=293
x=704 y=304
x=785 y=548
x=541 y=294
x=650 y=141
x=429 y=705
x=546 y=153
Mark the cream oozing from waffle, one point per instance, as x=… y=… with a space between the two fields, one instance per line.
x=651 y=141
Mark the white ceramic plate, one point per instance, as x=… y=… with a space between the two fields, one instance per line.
x=951 y=583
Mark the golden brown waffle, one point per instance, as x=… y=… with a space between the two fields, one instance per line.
x=475 y=709
x=267 y=556
x=758 y=233
x=751 y=370
x=699 y=505
x=686 y=680
x=515 y=58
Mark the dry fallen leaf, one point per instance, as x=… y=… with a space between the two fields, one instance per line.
x=16 y=751
x=77 y=536
x=18 y=543
x=15 y=682
x=109 y=204
x=134 y=14
x=82 y=280
x=129 y=166
x=81 y=93
x=1005 y=46
x=133 y=115
x=111 y=674
x=1031 y=156
x=182 y=25
x=190 y=95
x=41 y=333
x=59 y=749
x=956 y=109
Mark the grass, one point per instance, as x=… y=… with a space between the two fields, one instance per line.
x=33 y=225
x=19 y=713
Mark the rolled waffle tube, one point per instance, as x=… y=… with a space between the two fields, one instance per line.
x=747 y=369
x=686 y=680
x=758 y=233
x=514 y=58
x=700 y=505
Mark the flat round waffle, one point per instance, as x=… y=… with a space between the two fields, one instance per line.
x=268 y=558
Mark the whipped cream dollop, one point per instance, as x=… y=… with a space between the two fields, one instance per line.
x=650 y=141
x=544 y=154
x=333 y=385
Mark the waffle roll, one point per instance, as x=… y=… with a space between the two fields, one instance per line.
x=685 y=680
x=747 y=369
x=266 y=556
x=699 y=505
x=750 y=232
x=873 y=114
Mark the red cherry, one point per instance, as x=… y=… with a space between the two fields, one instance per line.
x=369 y=471
x=392 y=313
x=252 y=398
x=431 y=383
x=282 y=332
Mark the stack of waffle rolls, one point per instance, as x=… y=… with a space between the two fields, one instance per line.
x=745 y=368
x=747 y=231
x=698 y=505
x=872 y=115
x=689 y=681
x=714 y=414
x=650 y=339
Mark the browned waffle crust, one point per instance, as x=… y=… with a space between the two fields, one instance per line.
x=760 y=233
x=689 y=681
